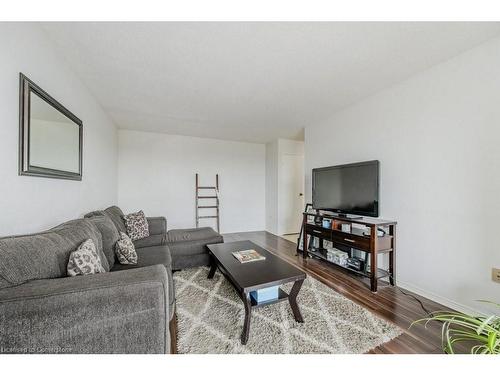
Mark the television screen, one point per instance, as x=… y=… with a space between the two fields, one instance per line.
x=347 y=189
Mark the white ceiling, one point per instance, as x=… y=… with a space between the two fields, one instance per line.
x=249 y=81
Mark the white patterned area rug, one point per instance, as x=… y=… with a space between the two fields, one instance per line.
x=210 y=320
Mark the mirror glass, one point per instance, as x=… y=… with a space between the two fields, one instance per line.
x=54 y=139
x=50 y=136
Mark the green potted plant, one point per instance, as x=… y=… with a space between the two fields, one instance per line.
x=482 y=333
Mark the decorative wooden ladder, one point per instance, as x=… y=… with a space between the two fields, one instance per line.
x=215 y=195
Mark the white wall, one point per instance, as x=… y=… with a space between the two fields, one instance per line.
x=157 y=174
x=275 y=212
x=33 y=203
x=437 y=137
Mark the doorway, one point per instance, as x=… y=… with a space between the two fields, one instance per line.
x=291 y=197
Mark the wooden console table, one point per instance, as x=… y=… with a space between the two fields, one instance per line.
x=371 y=245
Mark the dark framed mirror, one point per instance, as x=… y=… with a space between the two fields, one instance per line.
x=50 y=136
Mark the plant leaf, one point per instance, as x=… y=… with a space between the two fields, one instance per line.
x=458 y=327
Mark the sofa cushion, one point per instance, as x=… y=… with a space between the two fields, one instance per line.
x=192 y=234
x=148 y=256
x=45 y=255
x=114 y=213
x=183 y=262
x=84 y=260
x=188 y=246
x=4 y=283
x=125 y=250
x=137 y=225
x=157 y=225
x=109 y=236
x=152 y=240
x=157 y=233
x=68 y=229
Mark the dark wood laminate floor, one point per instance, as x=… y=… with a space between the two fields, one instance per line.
x=388 y=302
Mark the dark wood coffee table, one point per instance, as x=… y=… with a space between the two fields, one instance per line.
x=248 y=277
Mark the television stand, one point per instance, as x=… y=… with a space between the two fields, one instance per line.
x=370 y=245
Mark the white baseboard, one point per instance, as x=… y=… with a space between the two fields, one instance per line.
x=270 y=231
x=439 y=299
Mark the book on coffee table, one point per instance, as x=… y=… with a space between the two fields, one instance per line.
x=246 y=256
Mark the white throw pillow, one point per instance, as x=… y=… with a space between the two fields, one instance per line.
x=137 y=225
x=84 y=260
x=125 y=250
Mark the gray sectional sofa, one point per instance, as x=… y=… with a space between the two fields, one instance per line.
x=125 y=310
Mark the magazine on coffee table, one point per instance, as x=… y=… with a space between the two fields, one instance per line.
x=246 y=256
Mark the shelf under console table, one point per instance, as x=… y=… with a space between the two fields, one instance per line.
x=371 y=245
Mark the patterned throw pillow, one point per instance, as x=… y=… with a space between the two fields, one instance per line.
x=84 y=260
x=125 y=250
x=137 y=225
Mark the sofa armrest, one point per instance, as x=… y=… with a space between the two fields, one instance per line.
x=113 y=312
x=157 y=225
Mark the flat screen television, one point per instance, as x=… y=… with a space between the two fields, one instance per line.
x=347 y=189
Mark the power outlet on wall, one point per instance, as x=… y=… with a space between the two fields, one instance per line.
x=495 y=274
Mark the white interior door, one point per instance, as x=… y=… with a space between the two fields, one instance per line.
x=291 y=193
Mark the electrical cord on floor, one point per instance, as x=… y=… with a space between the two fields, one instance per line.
x=412 y=296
